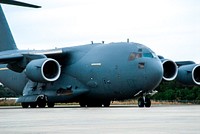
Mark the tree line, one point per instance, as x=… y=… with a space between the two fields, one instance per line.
x=174 y=91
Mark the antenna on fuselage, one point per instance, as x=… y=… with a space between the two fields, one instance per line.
x=128 y=40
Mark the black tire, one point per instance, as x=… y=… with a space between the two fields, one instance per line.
x=140 y=102
x=94 y=104
x=106 y=104
x=25 y=105
x=147 y=102
x=33 y=104
x=41 y=102
x=50 y=104
x=82 y=104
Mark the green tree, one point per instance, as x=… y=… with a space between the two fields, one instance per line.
x=175 y=91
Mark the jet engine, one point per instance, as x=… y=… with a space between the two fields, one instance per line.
x=43 y=70
x=170 y=70
x=189 y=74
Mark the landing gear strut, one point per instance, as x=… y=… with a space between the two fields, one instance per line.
x=144 y=101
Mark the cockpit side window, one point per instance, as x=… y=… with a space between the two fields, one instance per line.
x=134 y=55
x=131 y=56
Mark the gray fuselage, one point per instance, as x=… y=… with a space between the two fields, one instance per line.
x=112 y=71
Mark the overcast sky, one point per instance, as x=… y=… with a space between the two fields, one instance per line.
x=169 y=27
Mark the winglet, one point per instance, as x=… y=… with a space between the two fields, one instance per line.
x=18 y=3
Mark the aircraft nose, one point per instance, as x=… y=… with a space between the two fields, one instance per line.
x=154 y=74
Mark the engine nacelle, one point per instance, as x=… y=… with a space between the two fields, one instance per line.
x=43 y=70
x=170 y=70
x=189 y=74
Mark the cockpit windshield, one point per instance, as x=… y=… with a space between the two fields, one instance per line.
x=150 y=55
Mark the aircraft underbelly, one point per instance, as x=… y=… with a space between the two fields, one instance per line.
x=64 y=89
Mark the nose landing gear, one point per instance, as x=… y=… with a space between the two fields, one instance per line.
x=144 y=102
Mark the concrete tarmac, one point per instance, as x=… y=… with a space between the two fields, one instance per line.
x=159 y=119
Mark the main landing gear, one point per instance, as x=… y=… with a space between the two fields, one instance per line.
x=35 y=104
x=144 y=102
x=41 y=103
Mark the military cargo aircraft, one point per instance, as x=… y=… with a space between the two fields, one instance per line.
x=93 y=74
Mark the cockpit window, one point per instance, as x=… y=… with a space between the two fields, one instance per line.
x=131 y=56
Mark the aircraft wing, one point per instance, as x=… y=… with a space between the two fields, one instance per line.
x=188 y=73
x=178 y=63
x=10 y=58
x=15 y=56
x=182 y=63
x=18 y=60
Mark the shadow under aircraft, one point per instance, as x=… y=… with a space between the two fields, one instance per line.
x=93 y=74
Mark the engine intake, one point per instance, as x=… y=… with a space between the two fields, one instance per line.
x=189 y=74
x=170 y=70
x=43 y=70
